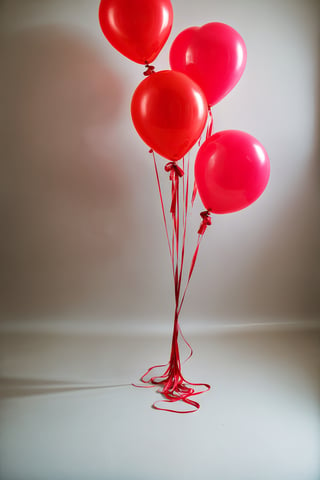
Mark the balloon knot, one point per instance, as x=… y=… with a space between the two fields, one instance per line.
x=149 y=70
x=175 y=173
x=173 y=168
x=206 y=221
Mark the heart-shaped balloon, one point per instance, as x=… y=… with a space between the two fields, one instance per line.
x=232 y=170
x=136 y=28
x=213 y=55
x=169 y=112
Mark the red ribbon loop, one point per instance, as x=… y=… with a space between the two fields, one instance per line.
x=206 y=221
x=149 y=71
x=175 y=173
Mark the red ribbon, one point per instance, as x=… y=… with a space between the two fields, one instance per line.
x=172 y=384
x=149 y=71
x=174 y=169
x=206 y=221
x=210 y=124
x=175 y=173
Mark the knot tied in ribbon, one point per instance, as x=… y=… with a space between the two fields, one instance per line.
x=206 y=221
x=175 y=173
x=174 y=170
x=149 y=71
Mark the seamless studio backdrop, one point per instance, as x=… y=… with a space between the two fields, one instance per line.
x=82 y=238
x=86 y=292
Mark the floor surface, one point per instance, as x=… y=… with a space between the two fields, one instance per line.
x=69 y=412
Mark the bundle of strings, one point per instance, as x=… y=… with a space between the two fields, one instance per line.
x=172 y=384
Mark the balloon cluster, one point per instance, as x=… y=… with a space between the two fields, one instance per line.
x=170 y=110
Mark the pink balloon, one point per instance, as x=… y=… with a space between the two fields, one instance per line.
x=232 y=170
x=213 y=55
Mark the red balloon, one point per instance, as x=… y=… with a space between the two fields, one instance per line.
x=169 y=112
x=232 y=170
x=213 y=55
x=136 y=28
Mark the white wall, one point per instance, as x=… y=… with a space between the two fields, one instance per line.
x=81 y=234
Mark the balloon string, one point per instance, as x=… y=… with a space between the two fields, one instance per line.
x=210 y=124
x=162 y=204
x=194 y=192
x=172 y=384
x=185 y=216
x=209 y=132
x=185 y=194
x=206 y=221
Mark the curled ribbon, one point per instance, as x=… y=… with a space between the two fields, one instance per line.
x=149 y=71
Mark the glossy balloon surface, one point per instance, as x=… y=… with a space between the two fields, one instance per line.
x=169 y=112
x=213 y=55
x=232 y=170
x=136 y=28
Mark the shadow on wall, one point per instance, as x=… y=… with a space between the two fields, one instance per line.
x=62 y=190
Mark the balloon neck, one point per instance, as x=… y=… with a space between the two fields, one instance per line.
x=149 y=70
x=206 y=221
